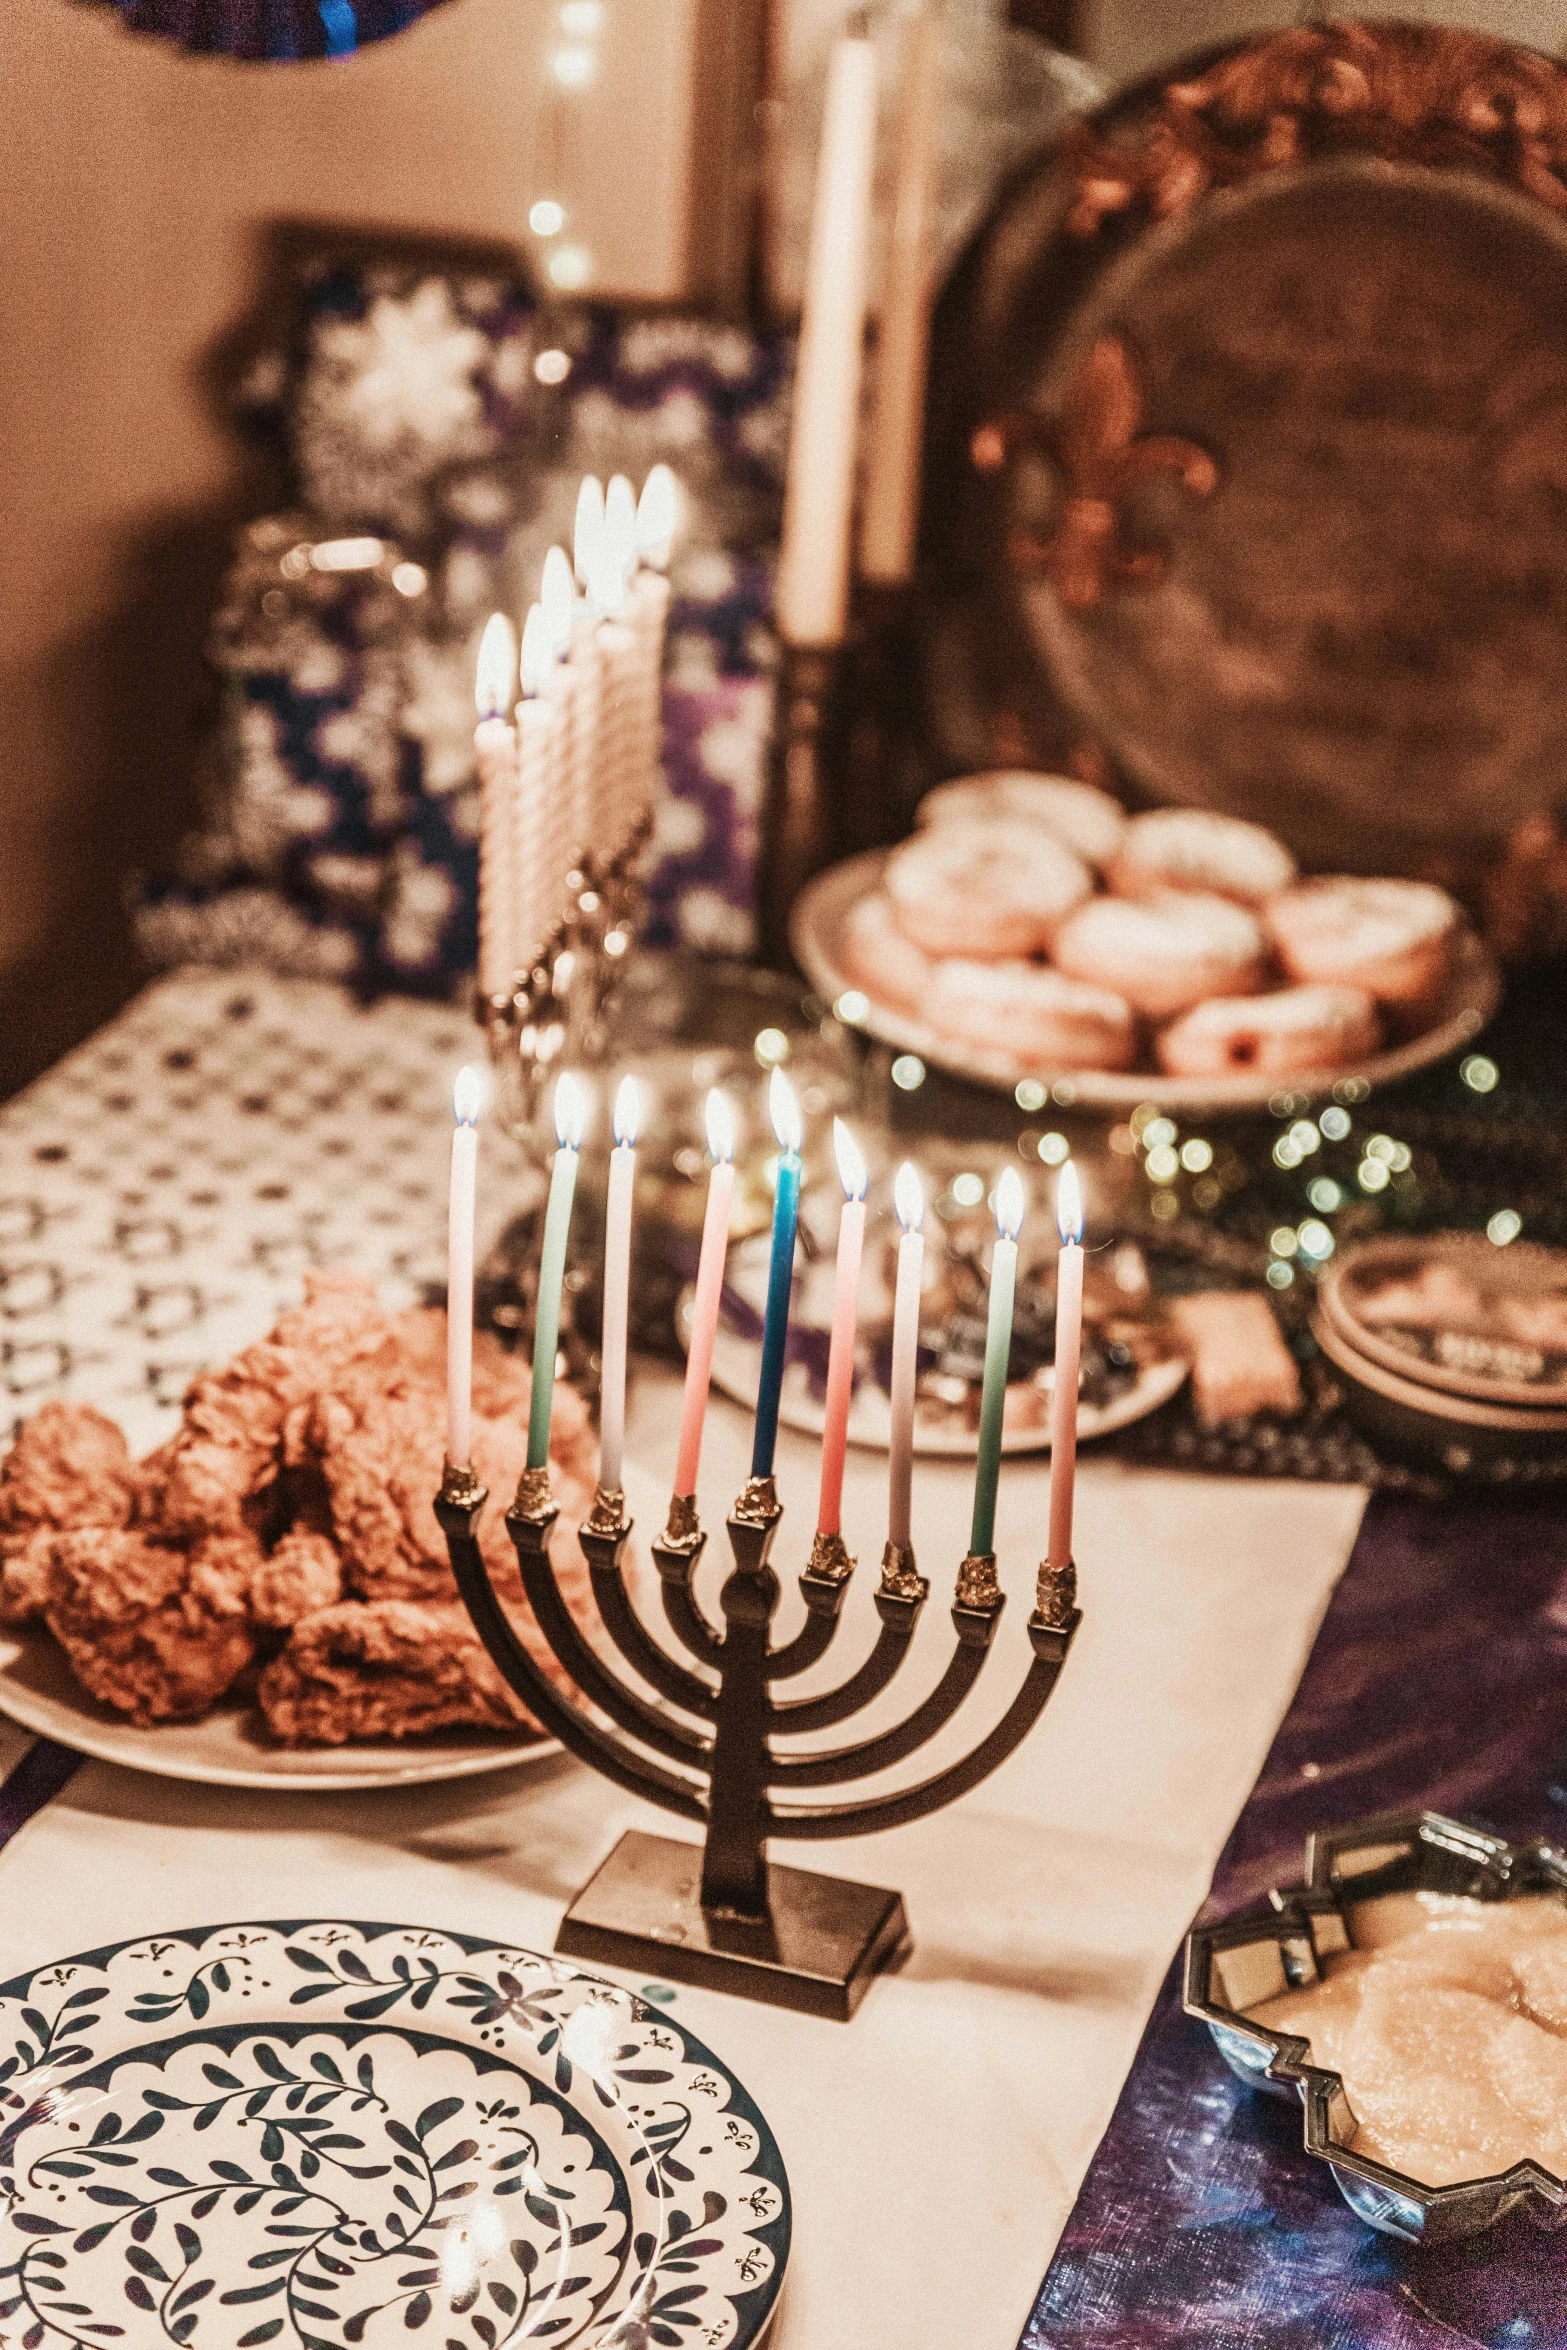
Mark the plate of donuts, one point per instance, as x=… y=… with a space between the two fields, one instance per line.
x=1031 y=929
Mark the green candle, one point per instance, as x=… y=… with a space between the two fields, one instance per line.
x=569 y=1107
x=998 y=1346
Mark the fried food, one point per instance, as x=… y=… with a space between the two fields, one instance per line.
x=243 y=1424
x=391 y=1669
x=303 y=1575
x=155 y=1632
x=69 y=1466
x=294 y=1499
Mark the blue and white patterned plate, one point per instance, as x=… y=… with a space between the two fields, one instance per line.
x=322 y=2135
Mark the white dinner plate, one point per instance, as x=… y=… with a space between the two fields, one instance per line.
x=816 y=931
x=319 y=2132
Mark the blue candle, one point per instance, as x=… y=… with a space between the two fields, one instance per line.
x=785 y=1112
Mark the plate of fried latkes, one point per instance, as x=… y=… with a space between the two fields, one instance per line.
x=266 y=1599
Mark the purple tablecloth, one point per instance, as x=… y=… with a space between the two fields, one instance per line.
x=1439 y=1677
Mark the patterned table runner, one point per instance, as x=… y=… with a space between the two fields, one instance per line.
x=1439 y=1677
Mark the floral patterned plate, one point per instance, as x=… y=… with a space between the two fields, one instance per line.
x=320 y=2134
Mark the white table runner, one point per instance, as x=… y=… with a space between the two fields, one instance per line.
x=934 y=2145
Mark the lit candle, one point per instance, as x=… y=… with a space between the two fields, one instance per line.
x=845 y=1321
x=614 y=777
x=539 y=743
x=785 y=1113
x=587 y=541
x=998 y=1346
x=495 y=754
x=571 y=695
x=709 y=1289
x=620 y=524
x=910 y=1203
x=813 y=569
x=656 y=515
x=466 y=1096
x=570 y=1111
x=1069 y=1339
x=617 y=1286
x=903 y=340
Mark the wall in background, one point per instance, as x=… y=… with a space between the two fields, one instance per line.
x=135 y=185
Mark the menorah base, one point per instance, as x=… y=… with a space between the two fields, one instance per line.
x=817 y=1951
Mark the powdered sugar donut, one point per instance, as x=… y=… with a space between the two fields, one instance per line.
x=1032 y=1014
x=1282 y=1035
x=1164 y=954
x=986 y=890
x=1087 y=821
x=1393 y=938
x=879 y=959
x=1188 y=848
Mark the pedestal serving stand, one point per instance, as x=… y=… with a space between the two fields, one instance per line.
x=721 y=1914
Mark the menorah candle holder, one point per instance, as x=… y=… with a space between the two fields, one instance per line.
x=554 y=1013
x=722 y=1914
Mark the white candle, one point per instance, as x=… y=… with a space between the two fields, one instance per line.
x=1069 y=1338
x=910 y=1202
x=539 y=790
x=613 y=782
x=466 y=1096
x=892 y=489
x=658 y=512
x=813 y=571
x=495 y=754
x=617 y=1286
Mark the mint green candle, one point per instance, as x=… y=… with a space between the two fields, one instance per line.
x=998 y=1347
x=552 y=1269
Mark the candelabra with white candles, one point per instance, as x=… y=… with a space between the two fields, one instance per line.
x=698 y=1726
x=568 y=748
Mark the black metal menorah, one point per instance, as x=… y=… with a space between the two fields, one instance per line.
x=720 y=1914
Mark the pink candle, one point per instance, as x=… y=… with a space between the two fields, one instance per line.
x=1069 y=1339
x=845 y=1319
x=709 y=1289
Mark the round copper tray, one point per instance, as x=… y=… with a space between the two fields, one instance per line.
x=816 y=932
x=1250 y=444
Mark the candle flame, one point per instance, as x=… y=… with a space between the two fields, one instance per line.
x=658 y=511
x=589 y=526
x=1009 y=1204
x=908 y=1197
x=538 y=655
x=571 y=1112
x=620 y=524
x=558 y=596
x=784 y=1111
x=497 y=670
x=1069 y=1205
x=851 y=1161
x=628 y=1110
x=467 y=1096
x=720 y=1125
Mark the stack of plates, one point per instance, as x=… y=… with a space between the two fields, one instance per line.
x=1452 y=1351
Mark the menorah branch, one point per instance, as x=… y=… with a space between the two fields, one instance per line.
x=458 y=1507
x=795 y=1714
x=530 y=1529
x=676 y=1555
x=602 y=1547
x=869 y=1755
x=1051 y=1642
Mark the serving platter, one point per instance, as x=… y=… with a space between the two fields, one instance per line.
x=817 y=931
x=319 y=2132
x=229 y=1748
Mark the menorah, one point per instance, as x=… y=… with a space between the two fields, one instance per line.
x=554 y=1009
x=721 y=1914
